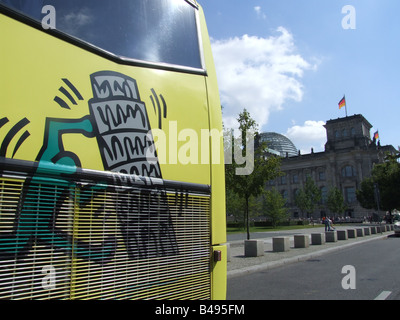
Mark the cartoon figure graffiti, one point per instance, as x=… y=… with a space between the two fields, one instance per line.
x=122 y=125
x=122 y=131
x=118 y=120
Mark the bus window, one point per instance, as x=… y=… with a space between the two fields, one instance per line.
x=156 y=31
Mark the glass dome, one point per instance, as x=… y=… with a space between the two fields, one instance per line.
x=280 y=143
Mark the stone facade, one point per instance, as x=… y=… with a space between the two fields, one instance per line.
x=349 y=157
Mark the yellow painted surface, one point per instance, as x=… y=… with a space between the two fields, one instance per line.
x=34 y=68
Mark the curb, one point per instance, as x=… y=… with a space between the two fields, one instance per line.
x=299 y=258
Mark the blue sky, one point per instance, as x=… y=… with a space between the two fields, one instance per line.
x=289 y=62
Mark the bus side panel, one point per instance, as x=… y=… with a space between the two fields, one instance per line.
x=218 y=277
x=218 y=222
x=47 y=78
x=65 y=110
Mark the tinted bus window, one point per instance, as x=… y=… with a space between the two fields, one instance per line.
x=157 y=31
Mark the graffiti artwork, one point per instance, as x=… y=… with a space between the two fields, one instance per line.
x=119 y=122
x=110 y=152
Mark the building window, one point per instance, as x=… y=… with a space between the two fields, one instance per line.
x=337 y=134
x=344 y=133
x=348 y=171
x=350 y=193
x=295 y=178
x=307 y=174
x=324 y=195
x=285 y=194
x=321 y=175
x=353 y=132
x=283 y=179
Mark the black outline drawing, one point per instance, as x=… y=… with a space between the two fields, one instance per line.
x=122 y=129
x=160 y=113
x=118 y=120
x=68 y=95
x=11 y=134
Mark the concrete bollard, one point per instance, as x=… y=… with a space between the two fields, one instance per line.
x=342 y=235
x=301 y=241
x=253 y=248
x=360 y=232
x=367 y=231
x=331 y=236
x=281 y=244
x=318 y=238
x=351 y=233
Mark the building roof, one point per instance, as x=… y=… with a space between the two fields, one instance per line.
x=353 y=117
x=280 y=143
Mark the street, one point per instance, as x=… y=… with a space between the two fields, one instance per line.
x=364 y=272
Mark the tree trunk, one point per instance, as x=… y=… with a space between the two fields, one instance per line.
x=247 y=218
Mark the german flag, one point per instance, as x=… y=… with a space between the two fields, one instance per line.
x=376 y=135
x=342 y=103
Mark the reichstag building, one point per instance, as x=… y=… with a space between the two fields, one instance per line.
x=349 y=157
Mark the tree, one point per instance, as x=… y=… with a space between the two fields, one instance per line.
x=274 y=205
x=335 y=201
x=301 y=201
x=234 y=205
x=251 y=182
x=308 y=198
x=382 y=188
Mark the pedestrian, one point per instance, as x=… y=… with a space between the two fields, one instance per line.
x=325 y=222
x=330 y=227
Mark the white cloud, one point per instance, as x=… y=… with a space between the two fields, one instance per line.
x=76 y=21
x=311 y=134
x=259 y=13
x=259 y=74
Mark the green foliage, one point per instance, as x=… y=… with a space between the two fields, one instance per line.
x=235 y=206
x=307 y=199
x=382 y=186
x=250 y=185
x=365 y=194
x=274 y=205
x=335 y=201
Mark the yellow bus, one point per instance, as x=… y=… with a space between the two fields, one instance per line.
x=111 y=181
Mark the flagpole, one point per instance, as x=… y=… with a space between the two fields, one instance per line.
x=345 y=104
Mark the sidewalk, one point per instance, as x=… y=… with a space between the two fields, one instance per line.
x=239 y=264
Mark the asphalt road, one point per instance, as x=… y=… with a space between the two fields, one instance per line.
x=369 y=271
